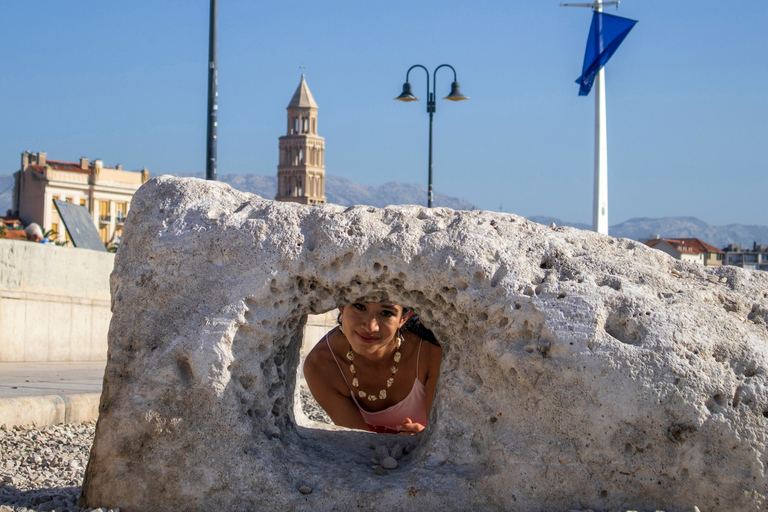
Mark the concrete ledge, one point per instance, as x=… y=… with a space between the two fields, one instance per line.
x=54 y=303
x=49 y=409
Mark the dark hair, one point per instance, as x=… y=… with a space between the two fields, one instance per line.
x=413 y=325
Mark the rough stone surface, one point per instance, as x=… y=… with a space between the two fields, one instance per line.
x=580 y=371
x=388 y=463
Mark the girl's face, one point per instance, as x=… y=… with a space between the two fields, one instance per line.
x=371 y=326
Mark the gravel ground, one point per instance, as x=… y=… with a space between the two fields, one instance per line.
x=42 y=468
x=311 y=408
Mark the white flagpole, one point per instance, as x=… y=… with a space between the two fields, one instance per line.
x=600 y=201
x=600 y=191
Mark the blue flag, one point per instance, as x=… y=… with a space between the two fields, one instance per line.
x=605 y=35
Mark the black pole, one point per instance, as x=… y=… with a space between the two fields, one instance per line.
x=406 y=95
x=210 y=153
x=431 y=110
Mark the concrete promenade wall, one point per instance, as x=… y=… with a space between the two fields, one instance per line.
x=54 y=302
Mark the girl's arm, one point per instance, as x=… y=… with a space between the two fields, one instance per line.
x=433 y=355
x=327 y=386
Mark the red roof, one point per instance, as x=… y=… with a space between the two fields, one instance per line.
x=14 y=234
x=10 y=222
x=67 y=166
x=686 y=245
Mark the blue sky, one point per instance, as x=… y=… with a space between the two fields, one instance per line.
x=687 y=96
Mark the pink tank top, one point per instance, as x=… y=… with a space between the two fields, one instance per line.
x=413 y=406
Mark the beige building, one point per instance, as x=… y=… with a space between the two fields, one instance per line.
x=689 y=249
x=106 y=192
x=301 y=170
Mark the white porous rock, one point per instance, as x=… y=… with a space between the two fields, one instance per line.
x=579 y=370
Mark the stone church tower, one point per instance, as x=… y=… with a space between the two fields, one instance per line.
x=301 y=171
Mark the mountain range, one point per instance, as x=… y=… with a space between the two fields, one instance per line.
x=344 y=192
x=643 y=228
x=347 y=193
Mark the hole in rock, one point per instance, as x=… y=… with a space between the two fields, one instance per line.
x=339 y=362
x=623 y=328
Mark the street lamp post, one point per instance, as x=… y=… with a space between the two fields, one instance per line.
x=213 y=95
x=407 y=95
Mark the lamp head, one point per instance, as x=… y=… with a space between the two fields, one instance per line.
x=407 y=95
x=456 y=94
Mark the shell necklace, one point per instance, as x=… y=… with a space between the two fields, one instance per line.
x=383 y=393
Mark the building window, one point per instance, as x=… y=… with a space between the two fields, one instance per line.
x=54 y=230
x=750 y=258
x=104 y=207
x=84 y=202
x=121 y=210
x=103 y=234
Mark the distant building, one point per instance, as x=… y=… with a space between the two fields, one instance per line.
x=106 y=192
x=12 y=228
x=756 y=259
x=301 y=169
x=689 y=249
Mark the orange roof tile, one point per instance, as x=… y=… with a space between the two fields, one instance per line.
x=14 y=234
x=686 y=245
x=67 y=166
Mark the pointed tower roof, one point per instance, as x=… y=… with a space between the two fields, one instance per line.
x=302 y=97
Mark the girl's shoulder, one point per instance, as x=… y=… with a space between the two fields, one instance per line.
x=322 y=350
x=321 y=367
x=429 y=354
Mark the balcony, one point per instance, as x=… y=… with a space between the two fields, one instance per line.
x=105 y=218
x=120 y=218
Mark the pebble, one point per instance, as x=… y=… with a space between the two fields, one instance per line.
x=397 y=452
x=381 y=452
x=380 y=471
x=304 y=489
x=388 y=463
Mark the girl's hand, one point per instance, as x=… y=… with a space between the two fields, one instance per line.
x=409 y=428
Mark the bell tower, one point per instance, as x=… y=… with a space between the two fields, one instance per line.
x=301 y=169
